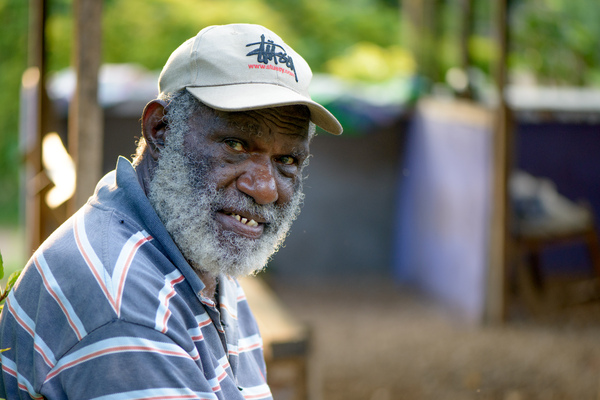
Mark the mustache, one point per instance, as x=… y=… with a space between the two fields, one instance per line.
x=232 y=200
x=241 y=203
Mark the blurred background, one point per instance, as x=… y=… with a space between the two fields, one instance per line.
x=447 y=247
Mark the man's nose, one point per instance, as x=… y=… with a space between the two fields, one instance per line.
x=258 y=181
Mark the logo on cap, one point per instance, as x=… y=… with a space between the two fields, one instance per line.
x=269 y=51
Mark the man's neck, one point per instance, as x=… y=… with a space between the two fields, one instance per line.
x=210 y=285
x=143 y=169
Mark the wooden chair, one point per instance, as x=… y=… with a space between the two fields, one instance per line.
x=530 y=245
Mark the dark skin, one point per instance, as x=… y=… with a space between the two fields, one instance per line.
x=258 y=153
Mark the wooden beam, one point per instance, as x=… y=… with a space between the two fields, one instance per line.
x=31 y=123
x=500 y=248
x=286 y=343
x=465 y=35
x=421 y=25
x=85 y=114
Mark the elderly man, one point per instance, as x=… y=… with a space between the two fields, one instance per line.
x=135 y=296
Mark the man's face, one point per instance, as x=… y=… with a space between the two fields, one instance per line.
x=228 y=189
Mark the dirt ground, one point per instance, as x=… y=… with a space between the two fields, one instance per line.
x=376 y=341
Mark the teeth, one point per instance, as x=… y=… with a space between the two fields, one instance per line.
x=245 y=221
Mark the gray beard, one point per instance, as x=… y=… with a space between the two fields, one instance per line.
x=186 y=199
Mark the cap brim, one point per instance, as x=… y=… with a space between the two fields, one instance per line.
x=254 y=96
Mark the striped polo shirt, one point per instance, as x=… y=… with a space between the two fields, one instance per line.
x=108 y=308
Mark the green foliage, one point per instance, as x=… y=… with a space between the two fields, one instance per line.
x=59 y=34
x=10 y=282
x=12 y=279
x=13 y=61
x=147 y=31
x=557 y=40
x=155 y=28
x=483 y=52
x=366 y=61
x=329 y=28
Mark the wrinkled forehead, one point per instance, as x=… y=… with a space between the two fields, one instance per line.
x=288 y=120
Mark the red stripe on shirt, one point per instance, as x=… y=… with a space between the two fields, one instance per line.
x=55 y=296
x=126 y=267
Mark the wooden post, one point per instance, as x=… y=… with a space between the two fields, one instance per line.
x=31 y=124
x=496 y=293
x=421 y=27
x=465 y=35
x=85 y=114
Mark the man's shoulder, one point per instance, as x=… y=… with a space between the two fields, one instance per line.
x=92 y=238
x=77 y=278
x=97 y=250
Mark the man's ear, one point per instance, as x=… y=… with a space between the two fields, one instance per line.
x=154 y=126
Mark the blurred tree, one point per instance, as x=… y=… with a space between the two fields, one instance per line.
x=556 y=41
x=146 y=31
x=423 y=23
x=13 y=61
x=366 y=61
x=445 y=34
x=329 y=28
x=156 y=27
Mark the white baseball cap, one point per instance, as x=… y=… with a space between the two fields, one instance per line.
x=242 y=67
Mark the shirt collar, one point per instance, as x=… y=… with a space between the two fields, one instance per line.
x=127 y=191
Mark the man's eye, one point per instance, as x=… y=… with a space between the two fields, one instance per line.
x=235 y=145
x=287 y=160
